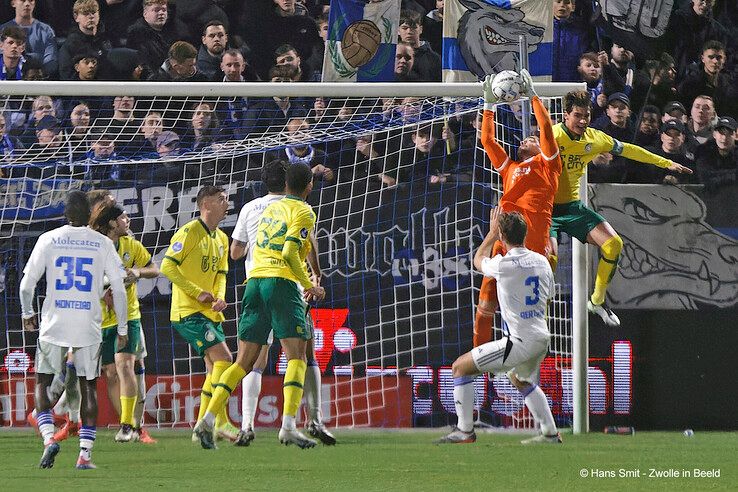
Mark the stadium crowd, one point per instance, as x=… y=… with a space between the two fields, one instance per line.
x=680 y=103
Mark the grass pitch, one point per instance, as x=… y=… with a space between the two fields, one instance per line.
x=381 y=460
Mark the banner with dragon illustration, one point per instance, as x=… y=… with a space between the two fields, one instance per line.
x=480 y=37
x=361 y=41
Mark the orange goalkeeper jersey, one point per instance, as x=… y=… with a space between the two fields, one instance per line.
x=529 y=185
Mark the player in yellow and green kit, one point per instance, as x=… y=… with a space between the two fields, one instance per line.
x=578 y=145
x=112 y=221
x=197 y=264
x=274 y=299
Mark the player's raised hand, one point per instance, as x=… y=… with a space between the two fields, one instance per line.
x=678 y=168
x=219 y=305
x=206 y=298
x=528 y=83
x=30 y=324
x=489 y=96
x=494 y=221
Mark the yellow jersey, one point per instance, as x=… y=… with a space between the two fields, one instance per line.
x=288 y=219
x=577 y=152
x=133 y=254
x=196 y=261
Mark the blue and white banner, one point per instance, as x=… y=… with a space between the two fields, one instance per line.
x=362 y=38
x=480 y=37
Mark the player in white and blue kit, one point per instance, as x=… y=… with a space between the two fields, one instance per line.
x=75 y=260
x=525 y=283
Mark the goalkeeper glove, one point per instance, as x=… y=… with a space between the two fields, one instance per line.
x=489 y=97
x=527 y=83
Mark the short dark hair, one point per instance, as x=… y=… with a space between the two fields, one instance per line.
x=101 y=216
x=214 y=22
x=77 y=208
x=14 y=32
x=581 y=99
x=274 y=175
x=299 y=176
x=96 y=197
x=650 y=108
x=713 y=44
x=285 y=48
x=410 y=17
x=591 y=56
x=513 y=228
x=206 y=191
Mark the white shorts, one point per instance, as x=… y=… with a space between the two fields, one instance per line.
x=50 y=359
x=512 y=356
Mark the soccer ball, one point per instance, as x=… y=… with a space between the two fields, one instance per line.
x=507 y=85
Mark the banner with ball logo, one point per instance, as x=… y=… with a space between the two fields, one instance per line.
x=362 y=37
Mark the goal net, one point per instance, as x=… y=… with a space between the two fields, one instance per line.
x=402 y=195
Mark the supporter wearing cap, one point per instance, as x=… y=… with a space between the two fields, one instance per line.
x=674 y=109
x=717 y=159
x=167 y=144
x=671 y=146
x=85 y=65
x=616 y=123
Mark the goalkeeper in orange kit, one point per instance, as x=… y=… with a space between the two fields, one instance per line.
x=528 y=187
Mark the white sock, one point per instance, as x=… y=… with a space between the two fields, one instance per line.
x=464 y=402
x=288 y=422
x=312 y=390
x=250 y=398
x=45 y=426
x=87 y=435
x=536 y=402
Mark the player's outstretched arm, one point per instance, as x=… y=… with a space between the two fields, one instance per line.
x=496 y=153
x=549 y=147
x=639 y=154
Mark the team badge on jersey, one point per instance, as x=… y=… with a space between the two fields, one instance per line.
x=177 y=247
x=126 y=256
x=209 y=335
x=303 y=233
x=220 y=250
x=588 y=148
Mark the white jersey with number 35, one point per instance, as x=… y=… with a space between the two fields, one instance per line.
x=248 y=223
x=75 y=261
x=525 y=283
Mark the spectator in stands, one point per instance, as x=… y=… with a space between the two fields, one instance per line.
x=123 y=125
x=702 y=118
x=662 y=75
x=103 y=149
x=619 y=74
x=79 y=127
x=9 y=145
x=40 y=38
x=154 y=33
x=214 y=42
x=433 y=27
x=118 y=16
x=232 y=111
x=234 y=67
x=322 y=21
x=590 y=72
x=286 y=54
x=203 y=128
x=279 y=25
x=33 y=70
x=180 y=66
x=151 y=127
x=298 y=152
x=426 y=62
x=88 y=36
x=359 y=159
x=273 y=112
x=49 y=132
x=571 y=38
x=616 y=123
x=42 y=106
x=85 y=66
x=648 y=126
x=13 y=45
x=689 y=29
x=717 y=160
x=404 y=60
x=672 y=146
x=712 y=80
x=674 y=110
x=424 y=159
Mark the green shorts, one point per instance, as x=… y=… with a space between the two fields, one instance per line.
x=272 y=304
x=200 y=332
x=110 y=341
x=575 y=219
